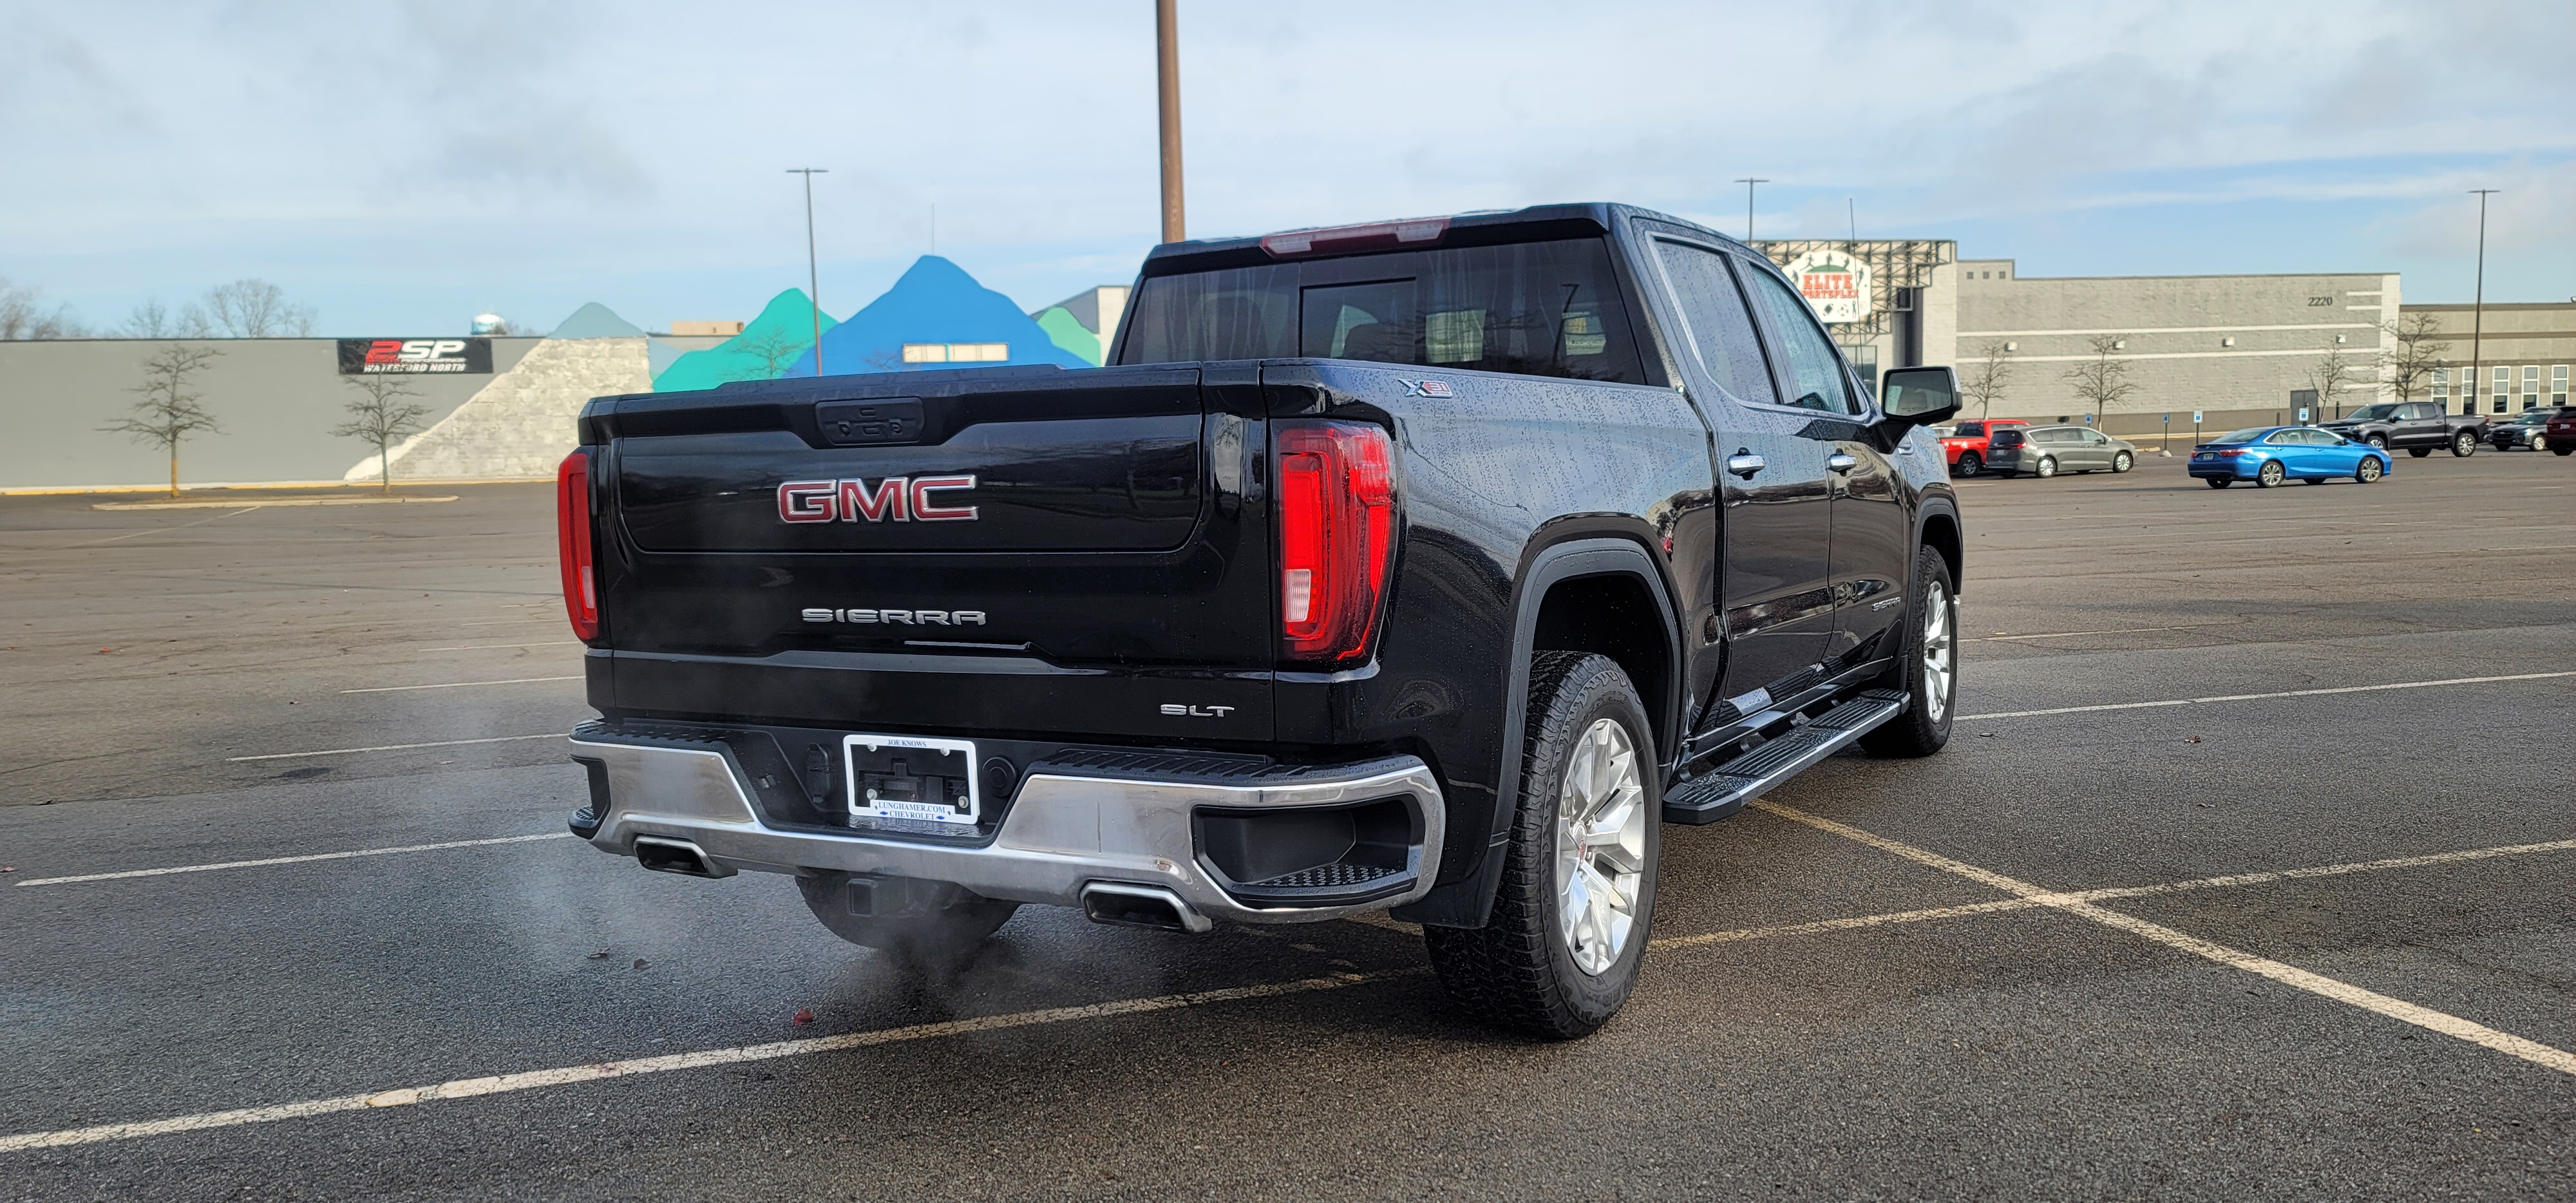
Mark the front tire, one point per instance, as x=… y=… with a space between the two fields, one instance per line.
x=2378 y=440
x=2464 y=444
x=2370 y=470
x=2219 y=482
x=1927 y=666
x=926 y=924
x=2123 y=462
x=1561 y=949
x=2047 y=467
x=2270 y=474
x=2419 y=452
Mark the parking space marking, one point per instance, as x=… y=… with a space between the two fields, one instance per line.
x=457 y=684
x=441 y=743
x=463 y=1088
x=2289 y=975
x=485 y=647
x=2189 y=626
x=297 y=860
x=2256 y=697
x=1832 y=925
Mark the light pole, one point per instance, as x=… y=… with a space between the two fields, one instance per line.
x=1748 y=206
x=813 y=273
x=1167 y=72
x=2478 y=320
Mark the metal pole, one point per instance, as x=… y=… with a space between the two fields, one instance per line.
x=2477 y=328
x=813 y=272
x=1748 y=206
x=1167 y=67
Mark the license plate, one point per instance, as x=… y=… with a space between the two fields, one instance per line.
x=912 y=777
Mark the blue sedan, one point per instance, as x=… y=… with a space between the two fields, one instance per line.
x=2268 y=455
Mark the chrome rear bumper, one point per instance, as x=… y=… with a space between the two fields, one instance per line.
x=1061 y=833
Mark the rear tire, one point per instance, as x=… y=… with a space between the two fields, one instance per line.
x=1970 y=463
x=2270 y=474
x=2219 y=482
x=2464 y=444
x=2370 y=470
x=2562 y=449
x=1927 y=666
x=2419 y=452
x=940 y=929
x=1527 y=968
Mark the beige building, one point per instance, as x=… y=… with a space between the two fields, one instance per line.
x=2522 y=353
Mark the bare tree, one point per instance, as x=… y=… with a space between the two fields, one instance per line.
x=169 y=412
x=23 y=315
x=381 y=415
x=2332 y=377
x=150 y=320
x=2103 y=380
x=256 y=309
x=2420 y=347
x=1993 y=376
x=774 y=350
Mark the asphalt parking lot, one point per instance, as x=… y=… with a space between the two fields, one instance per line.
x=2247 y=875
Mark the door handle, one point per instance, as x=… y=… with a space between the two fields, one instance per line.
x=1745 y=464
x=1840 y=462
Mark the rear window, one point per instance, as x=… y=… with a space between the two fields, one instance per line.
x=2006 y=437
x=2241 y=436
x=1969 y=430
x=1536 y=309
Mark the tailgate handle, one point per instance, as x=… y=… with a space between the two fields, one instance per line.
x=870 y=423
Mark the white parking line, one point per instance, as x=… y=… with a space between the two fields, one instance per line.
x=485 y=647
x=464 y=1088
x=441 y=743
x=2256 y=697
x=2288 y=975
x=2189 y=626
x=296 y=860
x=457 y=684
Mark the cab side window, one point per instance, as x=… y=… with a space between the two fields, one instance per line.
x=1721 y=329
x=1815 y=374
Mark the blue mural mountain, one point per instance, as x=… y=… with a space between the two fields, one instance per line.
x=935 y=304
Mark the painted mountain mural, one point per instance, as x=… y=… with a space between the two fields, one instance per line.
x=936 y=316
x=780 y=336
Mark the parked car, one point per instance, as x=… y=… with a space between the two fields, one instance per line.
x=1282 y=616
x=1964 y=445
x=2528 y=430
x=2560 y=434
x=2419 y=428
x=2269 y=455
x=2050 y=450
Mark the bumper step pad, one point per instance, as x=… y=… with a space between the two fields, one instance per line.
x=1724 y=790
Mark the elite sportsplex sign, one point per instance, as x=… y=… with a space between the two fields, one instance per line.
x=1835 y=283
x=415 y=356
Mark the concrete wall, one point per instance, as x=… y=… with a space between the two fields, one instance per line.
x=276 y=398
x=2535 y=344
x=2222 y=344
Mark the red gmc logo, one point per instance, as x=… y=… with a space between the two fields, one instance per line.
x=901 y=499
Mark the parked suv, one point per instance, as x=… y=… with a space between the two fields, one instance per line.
x=2050 y=450
x=1965 y=446
x=1428 y=564
x=2560 y=435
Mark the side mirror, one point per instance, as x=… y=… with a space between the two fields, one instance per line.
x=1913 y=397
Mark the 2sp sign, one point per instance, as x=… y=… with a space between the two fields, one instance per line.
x=415 y=356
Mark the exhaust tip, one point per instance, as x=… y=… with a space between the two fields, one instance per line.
x=1141 y=906
x=663 y=854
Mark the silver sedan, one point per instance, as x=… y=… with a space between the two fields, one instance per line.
x=2049 y=450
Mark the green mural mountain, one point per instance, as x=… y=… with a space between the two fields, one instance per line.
x=782 y=333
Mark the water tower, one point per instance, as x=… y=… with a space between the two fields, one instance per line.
x=490 y=323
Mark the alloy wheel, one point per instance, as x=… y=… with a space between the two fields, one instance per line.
x=1600 y=846
x=1939 y=668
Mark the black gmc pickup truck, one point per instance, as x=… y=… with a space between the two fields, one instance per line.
x=1423 y=565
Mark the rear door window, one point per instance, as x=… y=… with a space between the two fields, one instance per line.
x=1721 y=331
x=1815 y=372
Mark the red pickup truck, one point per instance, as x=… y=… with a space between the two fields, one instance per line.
x=1965 y=445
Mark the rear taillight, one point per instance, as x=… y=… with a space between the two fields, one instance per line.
x=1336 y=525
x=572 y=541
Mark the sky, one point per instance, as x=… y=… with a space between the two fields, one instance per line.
x=401 y=167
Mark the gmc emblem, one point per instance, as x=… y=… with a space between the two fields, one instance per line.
x=902 y=499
